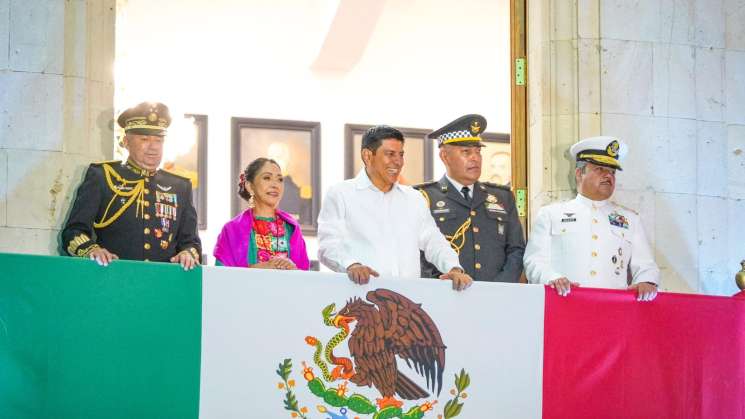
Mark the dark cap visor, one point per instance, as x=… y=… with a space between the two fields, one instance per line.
x=464 y=144
x=147 y=131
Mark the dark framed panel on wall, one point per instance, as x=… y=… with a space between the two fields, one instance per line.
x=496 y=164
x=192 y=163
x=296 y=146
x=417 y=153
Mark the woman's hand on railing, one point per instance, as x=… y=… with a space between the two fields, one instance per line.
x=280 y=262
x=276 y=262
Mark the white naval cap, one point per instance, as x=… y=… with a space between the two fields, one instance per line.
x=603 y=151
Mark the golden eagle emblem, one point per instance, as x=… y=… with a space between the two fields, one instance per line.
x=391 y=325
x=382 y=332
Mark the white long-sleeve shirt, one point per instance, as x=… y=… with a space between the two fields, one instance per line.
x=594 y=243
x=359 y=223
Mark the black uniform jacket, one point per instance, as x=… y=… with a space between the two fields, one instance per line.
x=485 y=232
x=133 y=213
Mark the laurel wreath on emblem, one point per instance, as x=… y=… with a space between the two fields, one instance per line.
x=612 y=149
x=475 y=127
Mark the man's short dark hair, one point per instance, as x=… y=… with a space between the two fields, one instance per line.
x=374 y=136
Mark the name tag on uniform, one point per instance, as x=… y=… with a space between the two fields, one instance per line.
x=570 y=218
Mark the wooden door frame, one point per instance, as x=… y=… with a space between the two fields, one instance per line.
x=519 y=103
x=519 y=106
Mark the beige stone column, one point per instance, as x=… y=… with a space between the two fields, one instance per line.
x=56 y=112
x=668 y=77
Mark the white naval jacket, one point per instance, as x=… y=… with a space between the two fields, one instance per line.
x=594 y=243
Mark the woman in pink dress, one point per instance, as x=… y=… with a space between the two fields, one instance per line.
x=263 y=236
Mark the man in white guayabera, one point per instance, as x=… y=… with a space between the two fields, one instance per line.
x=372 y=225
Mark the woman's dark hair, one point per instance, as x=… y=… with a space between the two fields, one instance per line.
x=249 y=174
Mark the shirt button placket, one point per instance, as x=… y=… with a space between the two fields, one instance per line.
x=387 y=199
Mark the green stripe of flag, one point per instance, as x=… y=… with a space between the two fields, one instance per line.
x=79 y=340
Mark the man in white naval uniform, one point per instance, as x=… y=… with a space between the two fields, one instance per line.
x=590 y=240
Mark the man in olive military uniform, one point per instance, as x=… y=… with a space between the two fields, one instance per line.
x=131 y=209
x=478 y=218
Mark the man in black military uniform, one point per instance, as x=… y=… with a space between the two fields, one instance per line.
x=133 y=210
x=478 y=218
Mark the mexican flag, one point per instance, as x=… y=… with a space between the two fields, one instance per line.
x=148 y=340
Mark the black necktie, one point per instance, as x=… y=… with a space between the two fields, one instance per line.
x=466 y=193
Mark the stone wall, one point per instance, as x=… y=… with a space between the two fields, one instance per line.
x=668 y=77
x=56 y=112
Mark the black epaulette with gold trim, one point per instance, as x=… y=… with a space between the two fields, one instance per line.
x=167 y=172
x=421 y=186
x=496 y=185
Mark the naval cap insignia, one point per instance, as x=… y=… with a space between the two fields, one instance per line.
x=612 y=149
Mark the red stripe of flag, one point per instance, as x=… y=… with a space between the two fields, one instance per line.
x=609 y=356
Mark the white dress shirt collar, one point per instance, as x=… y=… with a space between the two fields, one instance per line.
x=459 y=186
x=362 y=181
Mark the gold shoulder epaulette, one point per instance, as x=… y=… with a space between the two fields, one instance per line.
x=421 y=186
x=496 y=185
x=624 y=207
